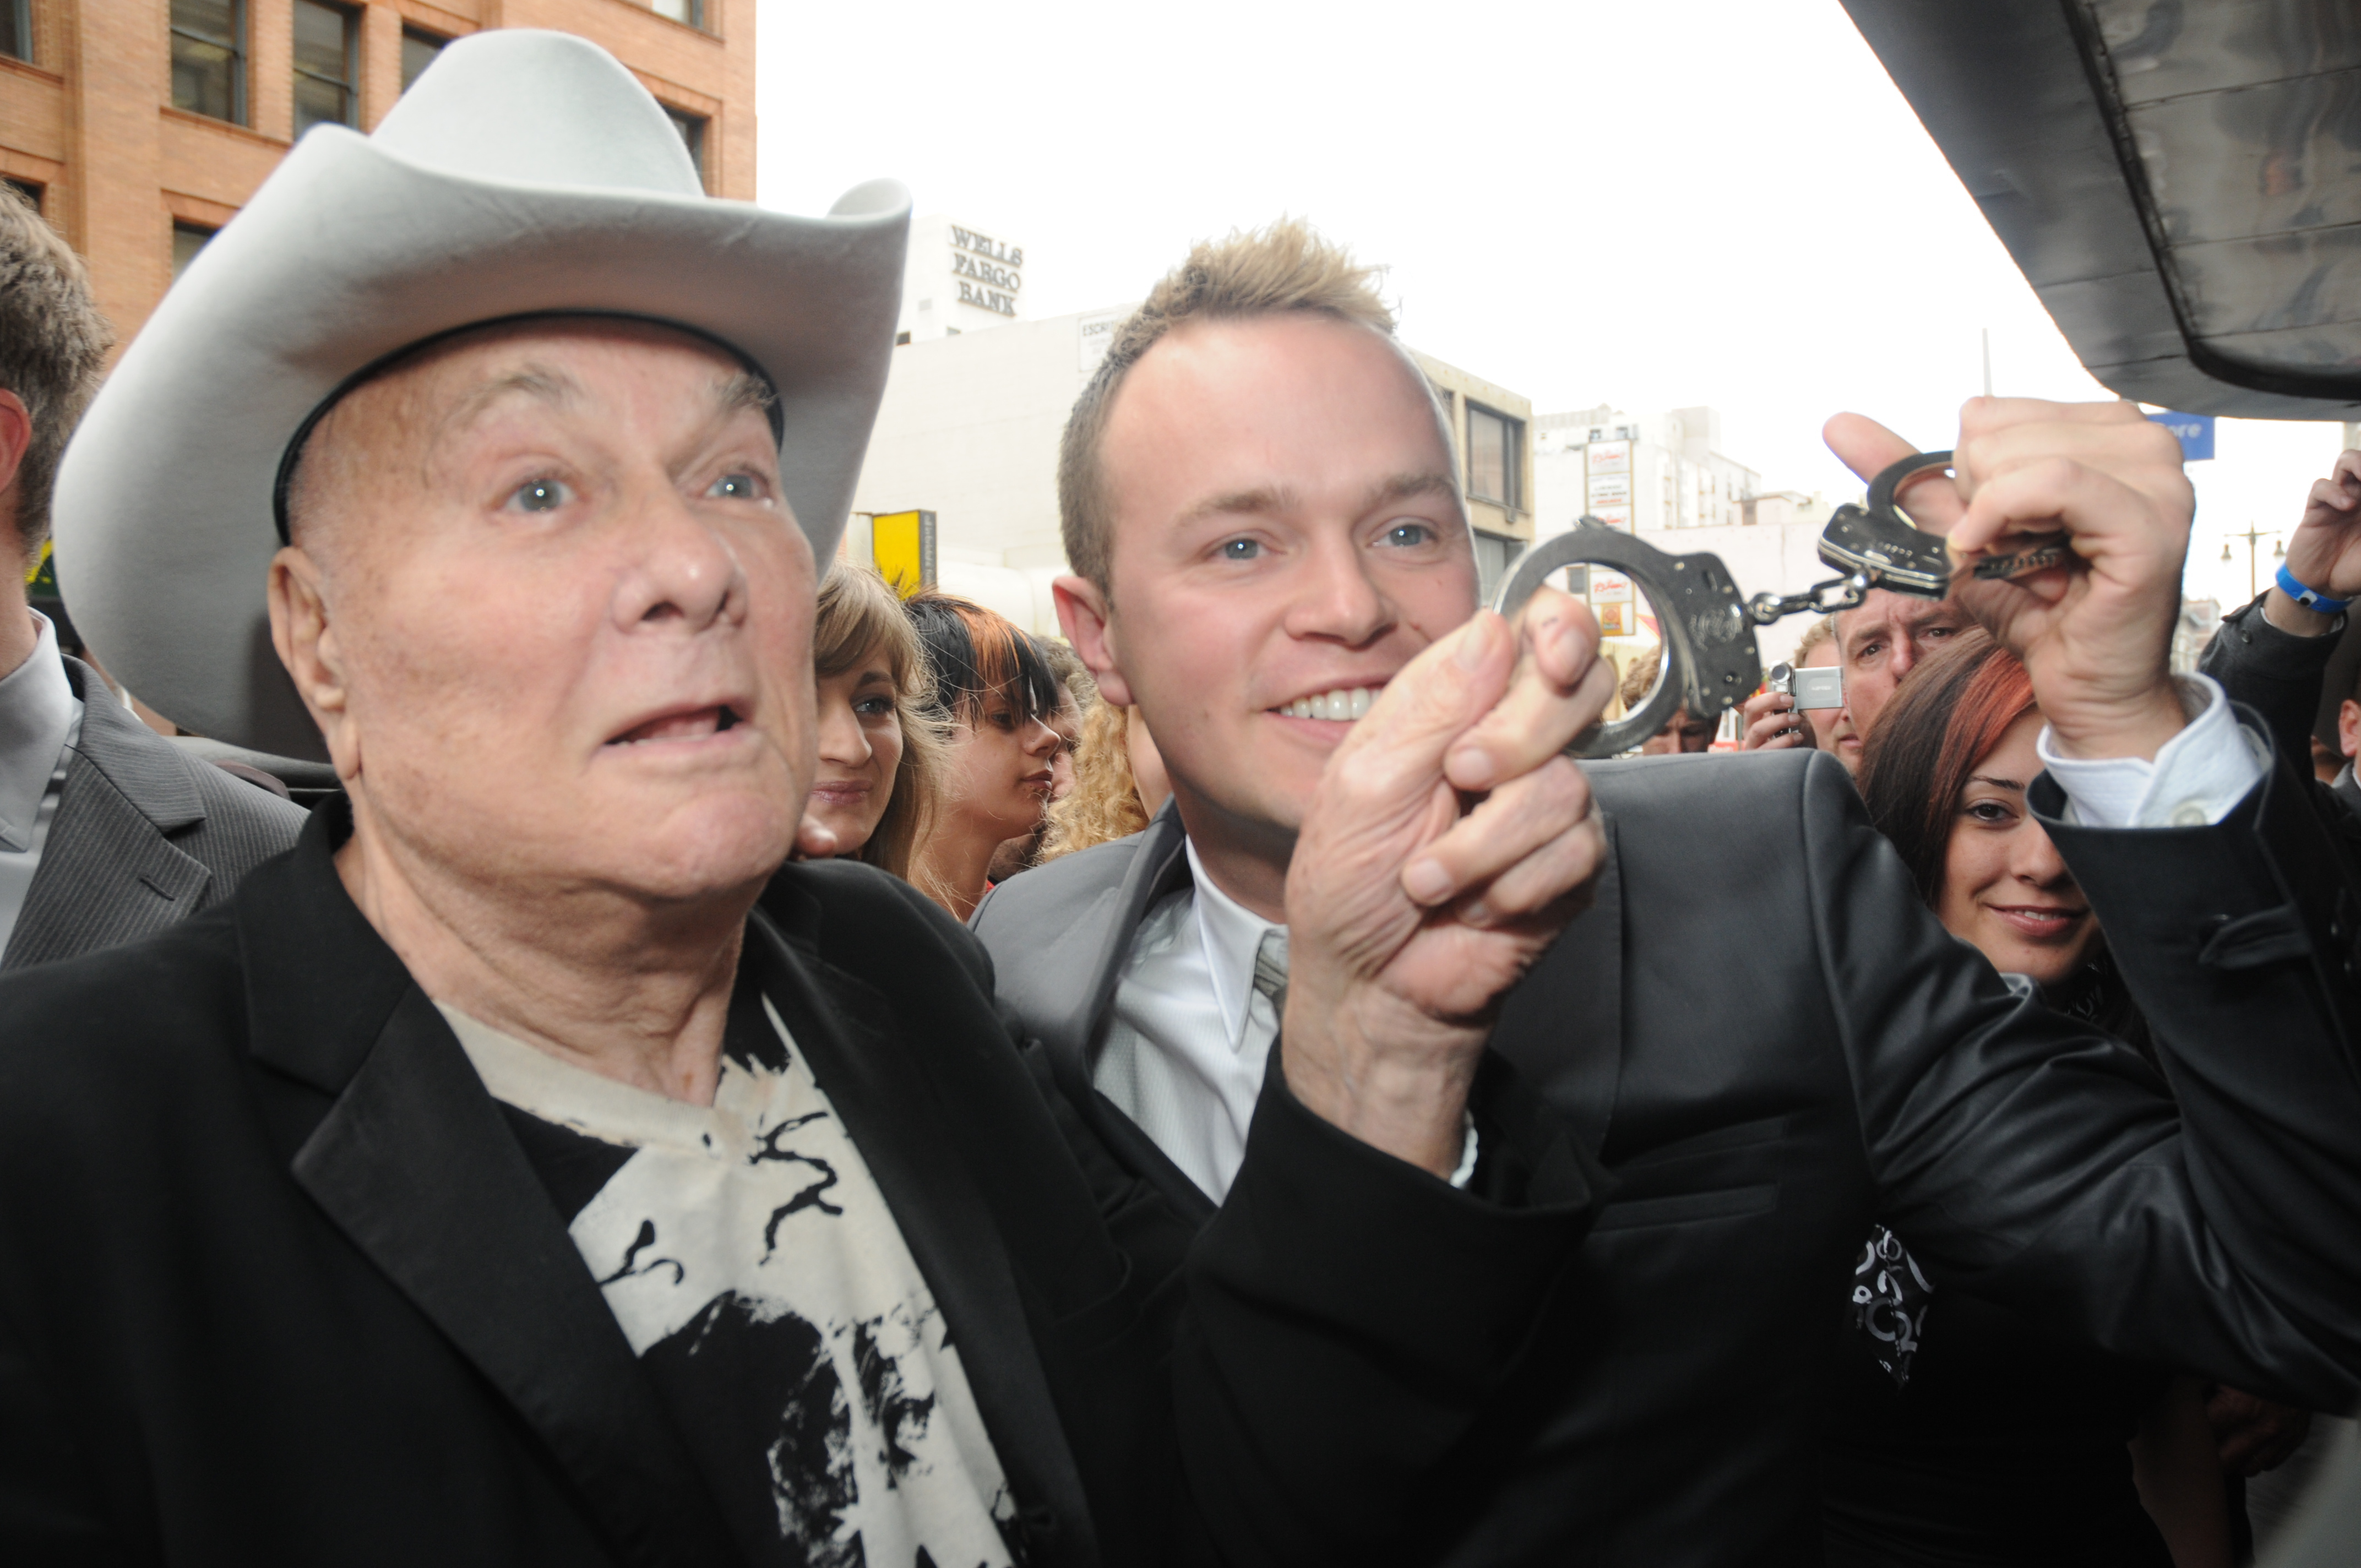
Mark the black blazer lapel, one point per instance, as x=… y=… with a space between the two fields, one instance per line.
x=897 y=1117
x=1576 y=988
x=415 y=1163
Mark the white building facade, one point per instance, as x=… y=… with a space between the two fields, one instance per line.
x=969 y=430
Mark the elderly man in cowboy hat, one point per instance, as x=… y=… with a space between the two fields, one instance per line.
x=526 y=1168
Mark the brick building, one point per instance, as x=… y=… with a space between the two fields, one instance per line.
x=140 y=127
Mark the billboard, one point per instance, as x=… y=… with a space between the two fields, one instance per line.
x=1608 y=587
x=1609 y=456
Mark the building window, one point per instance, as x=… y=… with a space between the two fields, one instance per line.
x=209 y=58
x=31 y=191
x=187 y=240
x=1493 y=554
x=324 y=94
x=1494 y=445
x=689 y=11
x=418 y=52
x=16 y=29
x=692 y=135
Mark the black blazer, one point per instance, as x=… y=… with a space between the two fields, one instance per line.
x=282 y=1287
x=2280 y=675
x=1769 y=1042
x=145 y=835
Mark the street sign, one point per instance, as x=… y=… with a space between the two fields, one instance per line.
x=2195 y=432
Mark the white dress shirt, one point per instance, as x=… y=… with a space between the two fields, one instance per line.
x=39 y=717
x=1191 y=1037
x=2197 y=778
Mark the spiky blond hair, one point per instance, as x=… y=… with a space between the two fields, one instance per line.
x=1282 y=268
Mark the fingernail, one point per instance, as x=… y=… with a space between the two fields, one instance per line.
x=1426 y=882
x=1470 y=767
x=1475 y=642
x=1477 y=914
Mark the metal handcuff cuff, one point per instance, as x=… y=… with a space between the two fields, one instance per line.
x=1708 y=660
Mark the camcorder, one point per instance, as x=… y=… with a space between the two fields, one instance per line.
x=1810 y=688
x=1707 y=662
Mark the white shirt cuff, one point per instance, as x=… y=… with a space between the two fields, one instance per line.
x=2197 y=779
x=1467 y=1170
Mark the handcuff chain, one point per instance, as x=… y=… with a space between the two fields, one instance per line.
x=1764 y=608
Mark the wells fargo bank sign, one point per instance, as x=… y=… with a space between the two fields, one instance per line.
x=988 y=272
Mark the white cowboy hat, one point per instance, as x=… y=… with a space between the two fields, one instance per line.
x=524 y=172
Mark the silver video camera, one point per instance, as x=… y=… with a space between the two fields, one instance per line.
x=1810 y=688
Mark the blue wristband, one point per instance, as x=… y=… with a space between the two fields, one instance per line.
x=2311 y=599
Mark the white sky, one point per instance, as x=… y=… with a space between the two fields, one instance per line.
x=1720 y=202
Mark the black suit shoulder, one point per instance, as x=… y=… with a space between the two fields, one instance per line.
x=871 y=924
x=146 y=997
x=1730 y=788
x=116 y=1044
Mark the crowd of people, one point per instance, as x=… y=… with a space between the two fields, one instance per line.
x=751 y=1064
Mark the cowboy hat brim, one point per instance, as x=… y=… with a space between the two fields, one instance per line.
x=351 y=253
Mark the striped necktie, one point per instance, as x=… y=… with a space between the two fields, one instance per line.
x=1270 y=968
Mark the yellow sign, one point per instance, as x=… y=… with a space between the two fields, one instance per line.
x=41 y=580
x=901 y=544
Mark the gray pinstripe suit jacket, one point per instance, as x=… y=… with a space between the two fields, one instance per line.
x=145 y=835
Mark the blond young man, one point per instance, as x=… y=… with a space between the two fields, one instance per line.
x=1755 y=1025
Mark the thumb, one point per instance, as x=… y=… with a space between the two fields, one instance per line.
x=1868 y=448
x=1863 y=446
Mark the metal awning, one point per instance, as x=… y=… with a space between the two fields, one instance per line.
x=2179 y=179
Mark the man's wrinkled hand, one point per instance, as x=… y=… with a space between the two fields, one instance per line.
x=2105 y=482
x=2094 y=633
x=1448 y=845
x=2325 y=552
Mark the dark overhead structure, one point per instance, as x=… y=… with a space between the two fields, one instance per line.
x=2179 y=179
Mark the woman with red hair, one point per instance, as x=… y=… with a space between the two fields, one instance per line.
x=1959 y=1432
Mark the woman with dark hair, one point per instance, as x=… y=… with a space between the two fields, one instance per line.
x=881 y=750
x=1958 y=1433
x=997 y=693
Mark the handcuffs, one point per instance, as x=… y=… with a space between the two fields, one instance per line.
x=1707 y=662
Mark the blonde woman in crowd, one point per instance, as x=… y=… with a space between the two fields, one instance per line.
x=1118 y=782
x=995 y=687
x=881 y=750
